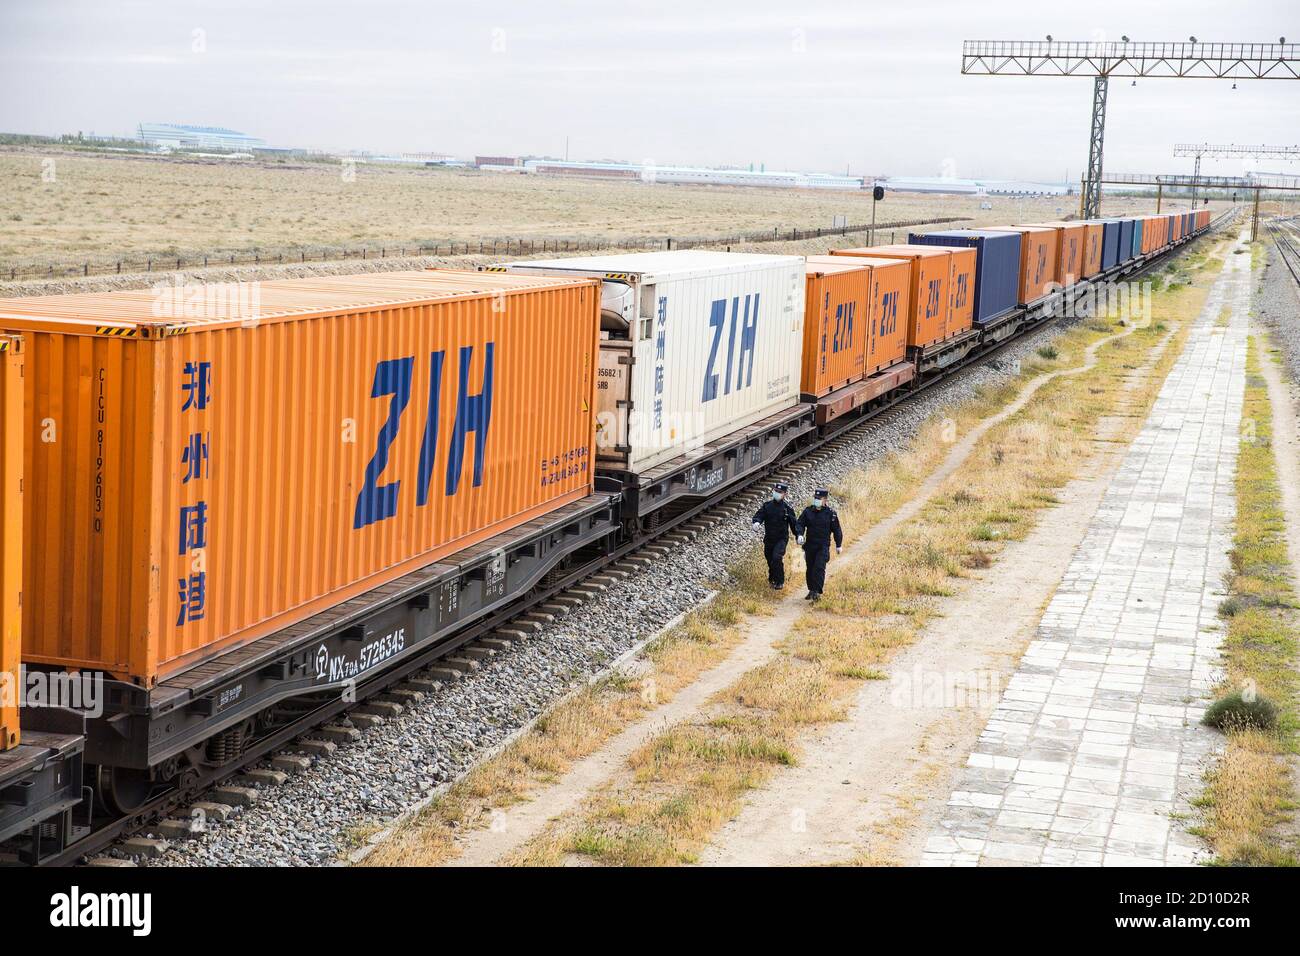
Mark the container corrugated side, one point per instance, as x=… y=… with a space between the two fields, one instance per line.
x=837 y=324
x=1069 y=249
x=931 y=269
x=891 y=285
x=1125 y=240
x=1138 y=225
x=216 y=479
x=11 y=535
x=718 y=345
x=1109 y=243
x=1092 y=248
x=997 y=267
x=1037 y=262
x=961 y=290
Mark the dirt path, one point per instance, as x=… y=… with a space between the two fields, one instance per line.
x=514 y=827
x=871 y=787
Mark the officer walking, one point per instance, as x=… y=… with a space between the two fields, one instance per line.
x=775 y=518
x=814 y=530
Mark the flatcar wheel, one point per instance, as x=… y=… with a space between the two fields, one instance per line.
x=122 y=791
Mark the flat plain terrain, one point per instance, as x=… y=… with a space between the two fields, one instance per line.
x=62 y=206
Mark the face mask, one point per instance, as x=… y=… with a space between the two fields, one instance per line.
x=818 y=502
x=777 y=496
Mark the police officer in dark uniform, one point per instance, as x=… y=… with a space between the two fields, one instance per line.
x=814 y=530
x=775 y=518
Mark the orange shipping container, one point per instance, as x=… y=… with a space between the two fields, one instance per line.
x=931 y=267
x=1069 y=250
x=961 y=288
x=1092 y=248
x=198 y=481
x=1037 y=261
x=891 y=281
x=837 y=324
x=11 y=535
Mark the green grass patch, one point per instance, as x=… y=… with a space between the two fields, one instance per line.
x=1249 y=796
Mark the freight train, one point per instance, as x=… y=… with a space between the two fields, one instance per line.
x=231 y=511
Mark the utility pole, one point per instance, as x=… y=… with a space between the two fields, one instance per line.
x=1190 y=60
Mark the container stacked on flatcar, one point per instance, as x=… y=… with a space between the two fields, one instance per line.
x=220 y=475
x=837 y=325
x=1037 y=262
x=1069 y=244
x=997 y=268
x=696 y=343
x=887 y=301
x=930 y=320
x=11 y=535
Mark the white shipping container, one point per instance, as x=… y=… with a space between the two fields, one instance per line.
x=694 y=344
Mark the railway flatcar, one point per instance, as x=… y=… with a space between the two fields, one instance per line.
x=997 y=269
x=886 y=369
x=292 y=492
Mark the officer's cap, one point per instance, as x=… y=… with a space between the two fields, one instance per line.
x=781 y=486
x=821 y=493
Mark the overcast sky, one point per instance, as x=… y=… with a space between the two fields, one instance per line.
x=811 y=85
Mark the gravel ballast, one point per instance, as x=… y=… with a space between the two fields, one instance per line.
x=312 y=819
x=1277 y=304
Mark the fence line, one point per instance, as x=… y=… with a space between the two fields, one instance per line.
x=493 y=247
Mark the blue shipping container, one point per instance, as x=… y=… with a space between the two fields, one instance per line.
x=1137 y=237
x=997 y=266
x=1109 y=243
x=1125 y=240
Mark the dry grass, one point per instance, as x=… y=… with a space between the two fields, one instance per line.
x=577 y=727
x=682 y=786
x=1248 y=801
x=107 y=206
x=843 y=654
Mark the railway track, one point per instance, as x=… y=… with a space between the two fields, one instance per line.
x=318 y=728
x=1284 y=238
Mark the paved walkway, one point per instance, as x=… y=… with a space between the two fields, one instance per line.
x=1095 y=749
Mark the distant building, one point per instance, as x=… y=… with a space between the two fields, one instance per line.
x=178 y=136
x=687 y=175
x=509 y=161
x=972 y=187
x=1016 y=188
x=930 y=184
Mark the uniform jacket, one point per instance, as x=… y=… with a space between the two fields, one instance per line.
x=818 y=526
x=777 y=518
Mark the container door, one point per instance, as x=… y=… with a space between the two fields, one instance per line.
x=613 y=402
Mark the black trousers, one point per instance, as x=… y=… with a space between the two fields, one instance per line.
x=815 y=557
x=774 y=551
